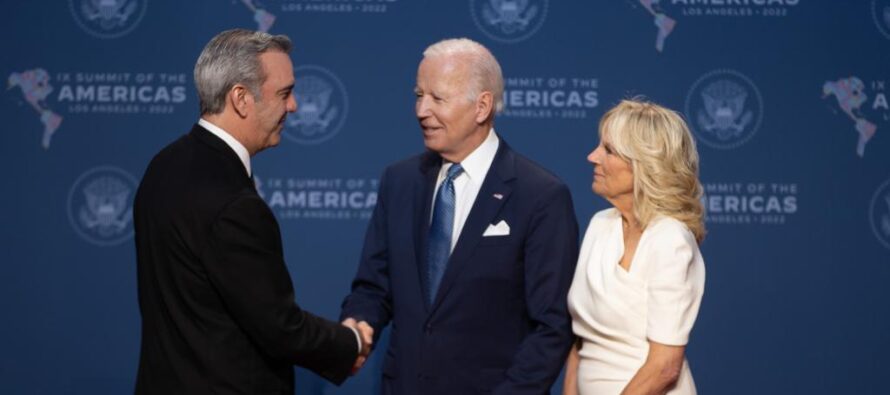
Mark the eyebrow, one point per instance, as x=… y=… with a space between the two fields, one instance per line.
x=286 y=88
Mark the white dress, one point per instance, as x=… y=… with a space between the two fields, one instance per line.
x=615 y=311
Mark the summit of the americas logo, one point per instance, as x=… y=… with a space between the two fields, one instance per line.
x=263 y=18
x=108 y=18
x=879 y=213
x=663 y=22
x=851 y=96
x=725 y=109
x=666 y=14
x=91 y=93
x=319 y=198
x=509 y=21
x=341 y=7
x=322 y=106
x=35 y=88
x=100 y=205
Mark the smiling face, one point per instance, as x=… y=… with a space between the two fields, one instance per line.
x=613 y=176
x=452 y=124
x=276 y=101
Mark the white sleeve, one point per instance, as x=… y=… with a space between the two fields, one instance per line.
x=676 y=280
x=358 y=339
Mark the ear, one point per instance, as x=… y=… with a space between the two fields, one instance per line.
x=241 y=100
x=484 y=106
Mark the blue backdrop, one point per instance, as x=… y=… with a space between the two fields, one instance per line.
x=787 y=99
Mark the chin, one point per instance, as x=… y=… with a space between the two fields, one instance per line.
x=432 y=144
x=597 y=190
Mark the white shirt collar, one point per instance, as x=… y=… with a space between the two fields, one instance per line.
x=477 y=163
x=230 y=141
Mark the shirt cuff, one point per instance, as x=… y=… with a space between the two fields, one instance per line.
x=358 y=339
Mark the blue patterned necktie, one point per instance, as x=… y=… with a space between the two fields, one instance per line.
x=440 y=231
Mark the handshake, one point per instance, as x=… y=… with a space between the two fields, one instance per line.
x=366 y=333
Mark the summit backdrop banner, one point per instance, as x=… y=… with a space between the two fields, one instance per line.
x=787 y=100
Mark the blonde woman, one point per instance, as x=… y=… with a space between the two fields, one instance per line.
x=640 y=275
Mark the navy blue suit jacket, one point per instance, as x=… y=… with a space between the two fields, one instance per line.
x=499 y=322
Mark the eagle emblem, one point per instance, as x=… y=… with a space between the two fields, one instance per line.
x=509 y=16
x=109 y=14
x=724 y=113
x=106 y=210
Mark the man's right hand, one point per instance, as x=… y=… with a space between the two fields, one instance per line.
x=366 y=333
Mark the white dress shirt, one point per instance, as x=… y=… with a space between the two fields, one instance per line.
x=467 y=184
x=230 y=141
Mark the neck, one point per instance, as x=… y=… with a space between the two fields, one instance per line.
x=232 y=125
x=479 y=136
x=624 y=205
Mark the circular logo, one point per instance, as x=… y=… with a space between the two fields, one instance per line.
x=879 y=213
x=100 y=205
x=724 y=109
x=509 y=21
x=880 y=14
x=322 y=105
x=108 y=18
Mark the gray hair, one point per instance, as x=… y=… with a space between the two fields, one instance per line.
x=485 y=72
x=233 y=57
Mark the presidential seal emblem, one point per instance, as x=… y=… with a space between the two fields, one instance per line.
x=880 y=14
x=509 y=21
x=322 y=106
x=100 y=205
x=879 y=214
x=108 y=18
x=724 y=108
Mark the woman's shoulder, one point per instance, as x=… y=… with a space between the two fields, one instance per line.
x=605 y=215
x=600 y=222
x=669 y=228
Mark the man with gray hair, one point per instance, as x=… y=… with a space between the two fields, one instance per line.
x=217 y=303
x=471 y=247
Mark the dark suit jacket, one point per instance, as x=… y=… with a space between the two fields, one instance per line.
x=499 y=322
x=217 y=303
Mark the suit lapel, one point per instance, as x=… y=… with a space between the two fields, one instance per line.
x=485 y=209
x=429 y=168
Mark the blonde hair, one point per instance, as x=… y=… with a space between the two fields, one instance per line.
x=661 y=150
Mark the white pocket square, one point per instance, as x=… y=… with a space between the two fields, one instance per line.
x=501 y=229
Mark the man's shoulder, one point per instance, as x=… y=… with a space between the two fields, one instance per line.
x=175 y=151
x=414 y=165
x=187 y=166
x=530 y=172
x=166 y=161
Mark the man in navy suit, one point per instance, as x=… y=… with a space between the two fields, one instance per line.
x=471 y=248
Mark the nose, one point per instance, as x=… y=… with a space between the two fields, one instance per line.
x=595 y=156
x=421 y=107
x=291 y=103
